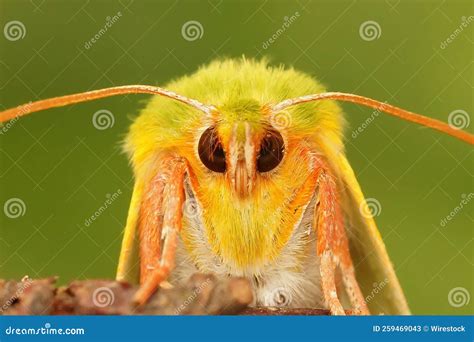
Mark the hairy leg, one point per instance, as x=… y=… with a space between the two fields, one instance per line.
x=333 y=245
x=159 y=225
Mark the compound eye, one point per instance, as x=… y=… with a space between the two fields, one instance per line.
x=211 y=152
x=271 y=153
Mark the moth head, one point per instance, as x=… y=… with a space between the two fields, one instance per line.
x=232 y=140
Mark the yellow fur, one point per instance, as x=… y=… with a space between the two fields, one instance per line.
x=244 y=233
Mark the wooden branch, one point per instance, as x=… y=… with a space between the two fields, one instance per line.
x=201 y=295
x=272 y=311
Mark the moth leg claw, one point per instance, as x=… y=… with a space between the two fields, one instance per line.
x=328 y=284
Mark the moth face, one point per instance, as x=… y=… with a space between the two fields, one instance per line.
x=248 y=177
x=242 y=153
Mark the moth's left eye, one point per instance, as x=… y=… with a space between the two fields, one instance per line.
x=271 y=153
x=211 y=151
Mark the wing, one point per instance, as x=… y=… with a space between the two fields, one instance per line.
x=129 y=262
x=374 y=270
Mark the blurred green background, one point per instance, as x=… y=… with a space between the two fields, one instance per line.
x=63 y=169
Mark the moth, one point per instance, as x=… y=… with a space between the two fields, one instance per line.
x=240 y=170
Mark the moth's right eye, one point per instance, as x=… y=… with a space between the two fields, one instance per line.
x=211 y=152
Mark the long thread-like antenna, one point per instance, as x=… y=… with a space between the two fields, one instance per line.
x=209 y=109
x=98 y=94
x=389 y=109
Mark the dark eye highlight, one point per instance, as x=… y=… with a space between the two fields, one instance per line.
x=271 y=153
x=211 y=152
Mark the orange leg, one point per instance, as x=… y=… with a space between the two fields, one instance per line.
x=333 y=245
x=159 y=225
